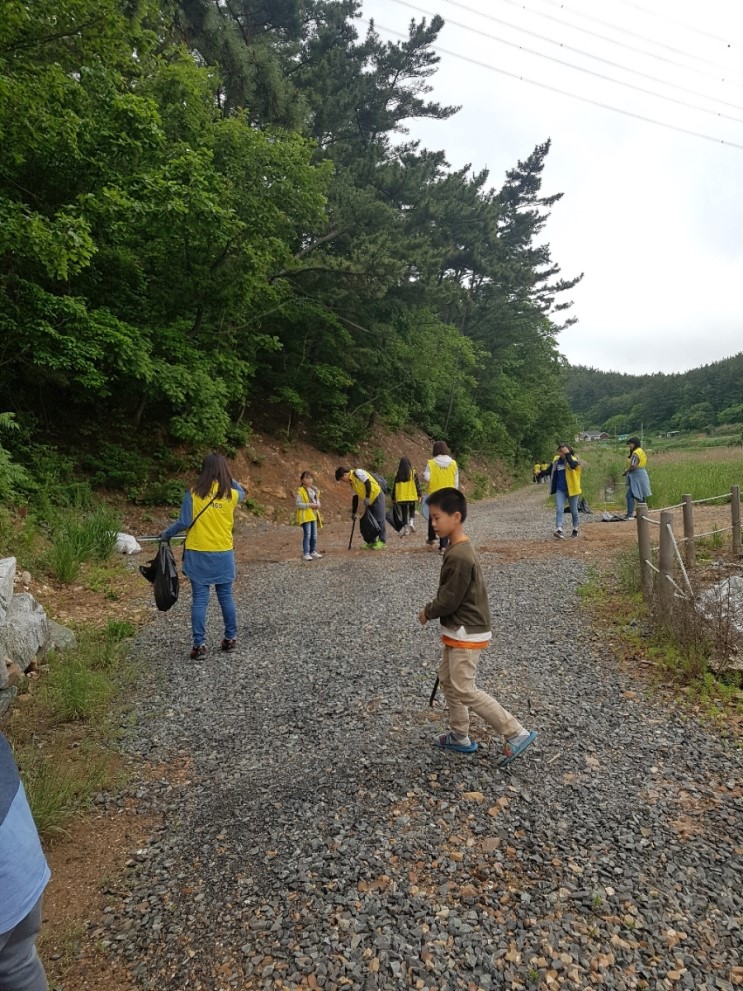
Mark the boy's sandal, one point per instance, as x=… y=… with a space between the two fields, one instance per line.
x=513 y=750
x=447 y=742
x=229 y=644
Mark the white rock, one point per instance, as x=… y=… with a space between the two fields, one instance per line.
x=26 y=629
x=7 y=576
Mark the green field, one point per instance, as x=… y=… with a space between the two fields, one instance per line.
x=703 y=472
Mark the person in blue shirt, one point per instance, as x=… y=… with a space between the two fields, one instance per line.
x=24 y=874
x=565 y=471
x=208 y=516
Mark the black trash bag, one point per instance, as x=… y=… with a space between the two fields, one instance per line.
x=163 y=574
x=394 y=517
x=369 y=528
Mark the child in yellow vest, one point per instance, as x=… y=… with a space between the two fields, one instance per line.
x=441 y=472
x=367 y=491
x=307 y=502
x=406 y=492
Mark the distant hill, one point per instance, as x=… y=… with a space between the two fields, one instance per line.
x=699 y=399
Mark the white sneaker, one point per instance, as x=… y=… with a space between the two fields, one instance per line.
x=405 y=531
x=306 y=557
x=412 y=527
x=559 y=534
x=316 y=555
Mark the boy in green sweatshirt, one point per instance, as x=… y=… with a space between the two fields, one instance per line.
x=462 y=606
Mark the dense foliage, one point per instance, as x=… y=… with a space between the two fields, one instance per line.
x=210 y=214
x=700 y=399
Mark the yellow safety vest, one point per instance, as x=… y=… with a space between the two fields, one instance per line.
x=572 y=477
x=642 y=458
x=406 y=491
x=441 y=478
x=212 y=531
x=359 y=487
x=305 y=515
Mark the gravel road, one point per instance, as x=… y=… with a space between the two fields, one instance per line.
x=313 y=838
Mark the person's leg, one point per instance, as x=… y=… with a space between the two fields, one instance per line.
x=199 y=602
x=574 y=511
x=229 y=612
x=462 y=669
x=560 y=498
x=313 y=536
x=20 y=966
x=378 y=510
x=431 y=532
x=443 y=543
x=630 y=502
x=405 y=513
x=459 y=717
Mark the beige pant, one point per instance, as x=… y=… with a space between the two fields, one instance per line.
x=457 y=678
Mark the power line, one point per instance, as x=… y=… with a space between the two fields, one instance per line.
x=555 y=89
x=597 y=58
x=673 y=20
x=631 y=34
x=577 y=68
x=621 y=44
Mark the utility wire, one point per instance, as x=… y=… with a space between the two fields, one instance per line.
x=621 y=44
x=578 y=68
x=554 y=89
x=683 y=24
x=597 y=58
x=631 y=34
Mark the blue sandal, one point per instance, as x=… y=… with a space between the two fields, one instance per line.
x=513 y=750
x=447 y=742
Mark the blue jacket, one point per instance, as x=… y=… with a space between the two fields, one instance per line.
x=23 y=868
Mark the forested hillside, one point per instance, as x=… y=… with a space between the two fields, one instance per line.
x=210 y=216
x=699 y=399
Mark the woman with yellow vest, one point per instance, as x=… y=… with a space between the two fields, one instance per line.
x=367 y=489
x=441 y=472
x=307 y=502
x=638 y=480
x=565 y=487
x=406 y=492
x=208 y=515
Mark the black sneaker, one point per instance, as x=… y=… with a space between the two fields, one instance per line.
x=574 y=533
x=559 y=534
x=198 y=652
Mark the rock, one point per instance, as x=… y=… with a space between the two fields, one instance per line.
x=26 y=629
x=14 y=675
x=6 y=698
x=7 y=577
x=60 y=638
x=4 y=665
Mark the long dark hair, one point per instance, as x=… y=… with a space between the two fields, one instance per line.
x=404 y=470
x=214 y=469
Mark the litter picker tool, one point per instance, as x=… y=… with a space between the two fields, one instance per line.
x=433 y=693
x=353 y=527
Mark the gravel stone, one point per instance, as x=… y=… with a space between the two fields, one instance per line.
x=313 y=837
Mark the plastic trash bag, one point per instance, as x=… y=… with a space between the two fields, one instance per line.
x=163 y=574
x=369 y=528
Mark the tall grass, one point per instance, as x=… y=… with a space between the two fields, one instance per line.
x=56 y=795
x=77 y=535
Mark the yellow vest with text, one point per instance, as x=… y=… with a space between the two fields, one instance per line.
x=441 y=478
x=212 y=531
x=572 y=477
x=642 y=458
x=305 y=515
x=406 y=491
x=359 y=487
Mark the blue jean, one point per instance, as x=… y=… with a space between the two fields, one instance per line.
x=200 y=601
x=309 y=537
x=630 y=502
x=20 y=967
x=561 y=500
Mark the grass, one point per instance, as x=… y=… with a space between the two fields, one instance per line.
x=79 y=535
x=56 y=794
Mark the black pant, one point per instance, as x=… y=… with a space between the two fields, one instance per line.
x=407 y=511
x=443 y=541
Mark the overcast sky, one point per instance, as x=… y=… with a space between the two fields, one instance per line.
x=653 y=217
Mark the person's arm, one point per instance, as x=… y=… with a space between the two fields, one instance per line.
x=455 y=580
x=572 y=461
x=299 y=503
x=363 y=477
x=239 y=489
x=633 y=463
x=427 y=474
x=456 y=477
x=184 y=521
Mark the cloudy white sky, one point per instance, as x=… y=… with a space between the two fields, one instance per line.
x=653 y=217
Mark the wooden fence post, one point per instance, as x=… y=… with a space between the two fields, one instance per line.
x=690 y=550
x=643 y=544
x=665 y=559
x=735 y=509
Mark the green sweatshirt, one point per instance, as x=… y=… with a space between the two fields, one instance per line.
x=462 y=599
